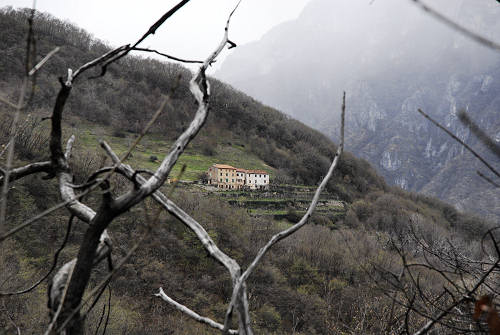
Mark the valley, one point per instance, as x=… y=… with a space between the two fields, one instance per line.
x=341 y=273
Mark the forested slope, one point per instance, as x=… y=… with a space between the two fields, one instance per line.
x=317 y=282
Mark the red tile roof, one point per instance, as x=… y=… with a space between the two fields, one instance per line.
x=224 y=166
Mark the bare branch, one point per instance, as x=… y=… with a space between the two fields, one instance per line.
x=95 y=62
x=489 y=180
x=461 y=142
x=100 y=319
x=81 y=211
x=151 y=31
x=281 y=235
x=11 y=319
x=480 y=134
x=4 y=148
x=30 y=54
x=104 y=282
x=43 y=61
x=7 y=102
x=452 y=24
x=199 y=89
x=102 y=314
x=29 y=169
x=45 y=213
x=109 y=310
x=10 y=155
x=191 y=313
x=187 y=61
x=58 y=291
x=287 y=232
x=178 y=213
x=54 y=264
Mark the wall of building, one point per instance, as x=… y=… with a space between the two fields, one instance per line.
x=228 y=177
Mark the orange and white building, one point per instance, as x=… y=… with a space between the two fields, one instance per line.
x=222 y=176
x=228 y=177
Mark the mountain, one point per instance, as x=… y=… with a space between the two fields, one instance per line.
x=392 y=59
x=318 y=281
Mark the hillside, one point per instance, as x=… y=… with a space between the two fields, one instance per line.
x=389 y=65
x=319 y=281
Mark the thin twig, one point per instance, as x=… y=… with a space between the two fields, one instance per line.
x=54 y=263
x=10 y=155
x=452 y=24
x=7 y=102
x=100 y=319
x=187 y=61
x=19 y=107
x=480 y=134
x=437 y=124
x=489 y=180
x=109 y=310
x=151 y=31
x=11 y=319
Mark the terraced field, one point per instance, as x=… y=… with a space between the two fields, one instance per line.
x=288 y=202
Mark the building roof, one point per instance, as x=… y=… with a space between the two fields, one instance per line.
x=241 y=170
x=224 y=166
x=257 y=171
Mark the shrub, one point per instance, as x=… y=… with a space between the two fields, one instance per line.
x=268 y=318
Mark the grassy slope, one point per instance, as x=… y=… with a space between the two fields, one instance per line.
x=156 y=145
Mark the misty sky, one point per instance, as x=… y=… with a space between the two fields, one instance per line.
x=193 y=32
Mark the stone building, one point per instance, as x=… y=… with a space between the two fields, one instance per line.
x=222 y=176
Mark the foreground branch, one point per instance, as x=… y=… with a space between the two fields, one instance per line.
x=191 y=313
x=287 y=232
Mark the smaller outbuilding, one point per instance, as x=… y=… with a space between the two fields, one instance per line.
x=257 y=179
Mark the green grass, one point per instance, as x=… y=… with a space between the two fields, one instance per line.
x=153 y=145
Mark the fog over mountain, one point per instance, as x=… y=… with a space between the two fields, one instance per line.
x=391 y=58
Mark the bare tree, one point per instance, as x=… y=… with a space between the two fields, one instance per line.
x=465 y=278
x=465 y=300
x=69 y=284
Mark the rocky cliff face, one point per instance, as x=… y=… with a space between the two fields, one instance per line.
x=391 y=59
